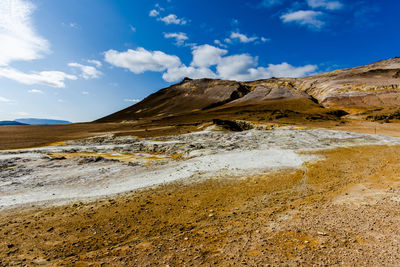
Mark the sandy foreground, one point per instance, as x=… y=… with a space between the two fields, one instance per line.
x=283 y=196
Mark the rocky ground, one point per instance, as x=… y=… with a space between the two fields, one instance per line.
x=104 y=165
x=285 y=196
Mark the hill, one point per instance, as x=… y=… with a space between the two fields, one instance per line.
x=355 y=90
x=33 y=121
x=11 y=123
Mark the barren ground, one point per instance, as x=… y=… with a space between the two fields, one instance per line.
x=333 y=198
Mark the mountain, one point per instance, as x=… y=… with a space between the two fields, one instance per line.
x=369 y=86
x=11 y=123
x=353 y=90
x=208 y=95
x=33 y=121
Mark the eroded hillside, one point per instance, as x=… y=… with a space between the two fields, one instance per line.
x=356 y=89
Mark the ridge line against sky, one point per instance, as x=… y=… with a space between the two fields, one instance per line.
x=57 y=62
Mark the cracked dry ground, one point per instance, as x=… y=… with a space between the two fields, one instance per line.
x=344 y=210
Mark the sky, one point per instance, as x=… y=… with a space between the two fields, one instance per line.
x=80 y=60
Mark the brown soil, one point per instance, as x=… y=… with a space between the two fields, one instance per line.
x=340 y=211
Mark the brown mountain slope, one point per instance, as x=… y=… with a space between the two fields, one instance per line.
x=206 y=95
x=376 y=85
x=373 y=85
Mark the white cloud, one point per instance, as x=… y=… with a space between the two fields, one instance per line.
x=178 y=73
x=286 y=70
x=179 y=37
x=4 y=100
x=154 y=13
x=141 y=60
x=236 y=67
x=206 y=55
x=242 y=38
x=132 y=100
x=49 y=78
x=85 y=92
x=308 y=18
x=172 y=19
x=87 y=72
x=241 y=67
x=20 y=42
x=35 y=91
x=330 y=5
x=95 y=62
x=245 y=68
x=18 y=39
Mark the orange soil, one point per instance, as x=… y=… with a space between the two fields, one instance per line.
x=293 y=217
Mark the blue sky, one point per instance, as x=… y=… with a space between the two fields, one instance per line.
x=82 y=59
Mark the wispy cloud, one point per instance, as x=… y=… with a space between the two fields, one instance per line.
x=218 y=42
x=87 y=72
x=309 y=18
x=270 y=3
x=326 y=4
x=4 y=100
x=95 y=62
x=243 y=38
x=132 y=100
x=179 y=37
x=20 y=42
x=48 y=78
x=35 y=91
x=18 y=39
x=172 y=19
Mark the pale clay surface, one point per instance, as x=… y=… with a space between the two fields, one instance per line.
x=118 y=165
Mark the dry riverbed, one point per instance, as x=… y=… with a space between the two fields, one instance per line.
x=283 y=196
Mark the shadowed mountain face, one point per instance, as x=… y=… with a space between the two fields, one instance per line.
x=372 y=86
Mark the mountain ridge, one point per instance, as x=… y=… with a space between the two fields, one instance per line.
x=34 y=121
x=376 y=85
